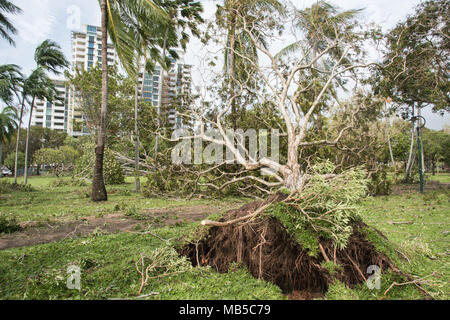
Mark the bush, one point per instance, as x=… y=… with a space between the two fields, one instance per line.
x=380 y=184
x=8 y=187
x=112 y=171
x=69 y=183
x=8 y=224
x=166 y=181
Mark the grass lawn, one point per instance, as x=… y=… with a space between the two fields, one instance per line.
x=439 y=177
x=416 y=224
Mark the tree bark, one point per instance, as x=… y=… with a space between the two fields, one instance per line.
x=410 y=157
x=16 y=159
x=137 y=182
x=232 y=67
x=160 y=89
x=25 y=167
x=98 y=183
x=419 y=113
x=1 y=153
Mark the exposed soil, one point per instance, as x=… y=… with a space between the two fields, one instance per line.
x=269 y=252
x=37 y=232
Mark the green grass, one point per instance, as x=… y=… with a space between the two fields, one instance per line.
x=418 y=226
x=66 y=203
x=108 y=261
x=439 y=177
x=109 y=271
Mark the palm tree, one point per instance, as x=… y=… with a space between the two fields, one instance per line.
x=238 y=44
x=321 y=24
x=39 y=86
x=10 y=82
x=118 y=17
x=8 y=124
x=184 y=15
x=48 y=57
x=6 y=27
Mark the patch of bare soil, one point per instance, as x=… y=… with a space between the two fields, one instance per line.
x=269 y=252
x=38 y=233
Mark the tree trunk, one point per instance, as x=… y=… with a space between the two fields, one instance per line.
x=98 y=183
x=16 y=159
x=410 y=157
x=388 y=127
x=160 y=89
x=419 y=113
x=1 y=153
x=25 y=173
x=232 y=67
x=137 y=182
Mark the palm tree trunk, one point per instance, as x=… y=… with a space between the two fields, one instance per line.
x=1 y=152
x=137 y=182
x=160 y=89
x=98 y=183
x=25 y=167
x=16 y=159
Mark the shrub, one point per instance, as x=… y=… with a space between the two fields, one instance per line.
x=8 y=187
x=112 y=171
x=380 y=184
x=8 y=224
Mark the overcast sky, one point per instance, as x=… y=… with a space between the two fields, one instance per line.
x=55 y=19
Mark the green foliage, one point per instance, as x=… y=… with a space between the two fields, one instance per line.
x=413 y=72
x=8 y=224
x=10 y=158
x=66 y=183
x=60 y=159
x=112 y=171
x=331 y=267
x=380 y=182
x=325 y=208
x=8 y=187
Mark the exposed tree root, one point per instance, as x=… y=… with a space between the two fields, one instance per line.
x=268 y=251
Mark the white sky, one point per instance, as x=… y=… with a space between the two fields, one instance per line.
x=55 y=19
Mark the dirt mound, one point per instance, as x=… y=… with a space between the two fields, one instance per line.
x=269 y=252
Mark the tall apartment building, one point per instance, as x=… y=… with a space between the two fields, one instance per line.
x=86 y=53
x=53 y=115
x=177 y=83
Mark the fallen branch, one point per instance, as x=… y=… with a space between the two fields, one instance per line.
x=234 y=221
x=401 y=222
x=416 y=282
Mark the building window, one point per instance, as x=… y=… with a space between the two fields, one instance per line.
x=91 y=29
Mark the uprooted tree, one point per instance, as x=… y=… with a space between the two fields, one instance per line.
x=294 y=83
x=309 y=234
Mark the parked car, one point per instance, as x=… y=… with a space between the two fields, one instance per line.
x=5 y=172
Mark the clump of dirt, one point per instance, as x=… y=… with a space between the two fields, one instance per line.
x=269 y=252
